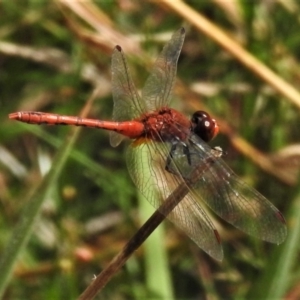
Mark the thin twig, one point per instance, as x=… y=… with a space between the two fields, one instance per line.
x=143 y=233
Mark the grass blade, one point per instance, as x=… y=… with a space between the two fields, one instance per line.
x=30 y=212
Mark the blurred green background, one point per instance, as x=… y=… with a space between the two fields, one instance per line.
x=52 y=56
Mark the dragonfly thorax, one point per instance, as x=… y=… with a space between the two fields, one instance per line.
x=166 y=125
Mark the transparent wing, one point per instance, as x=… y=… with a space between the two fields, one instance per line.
x=127 y=102
x=161 y=79
x=228 y=196
x=146 y=164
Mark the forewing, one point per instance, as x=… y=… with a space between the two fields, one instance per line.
x=161 y=79
x=127 y=102
x=227 y=195
x=146 y=164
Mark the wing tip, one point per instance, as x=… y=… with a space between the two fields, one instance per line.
x=217 y=235
x=280 y=217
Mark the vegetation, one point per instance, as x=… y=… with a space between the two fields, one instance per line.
x=67 y=201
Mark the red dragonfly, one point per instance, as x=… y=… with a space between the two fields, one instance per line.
x=168 y=148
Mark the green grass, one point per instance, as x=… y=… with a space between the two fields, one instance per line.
x=47 y=201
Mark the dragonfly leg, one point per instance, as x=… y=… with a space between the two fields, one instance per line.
x=186 y=152
x=169 y=159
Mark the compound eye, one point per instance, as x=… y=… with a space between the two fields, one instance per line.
x=204 y=126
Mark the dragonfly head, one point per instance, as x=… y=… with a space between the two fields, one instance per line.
x=204 y=126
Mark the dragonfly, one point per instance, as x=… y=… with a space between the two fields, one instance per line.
x=169 y=150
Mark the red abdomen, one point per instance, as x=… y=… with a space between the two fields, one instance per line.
x=131 y=129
